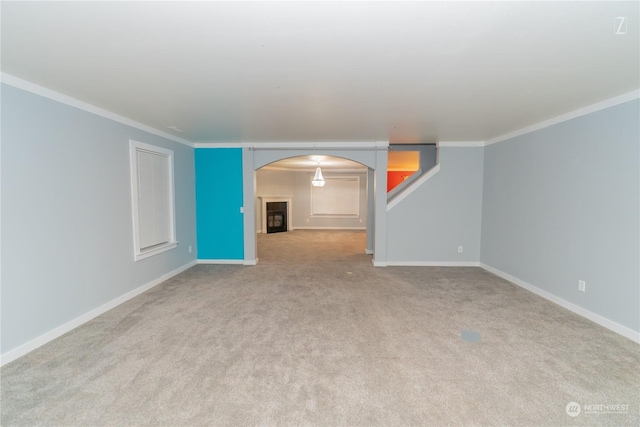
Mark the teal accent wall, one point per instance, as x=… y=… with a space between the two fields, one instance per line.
x=219 y=223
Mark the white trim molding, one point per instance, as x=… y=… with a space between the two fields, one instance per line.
x=43 y=339
x=221 y=261
x=65 y=99
x=433 y=264
x=413 y=187
x=228 y=261
x=460 y=144
x=329 y=228
x=332 y=145
x=596 y=318
x=217 y=145
x=159 y=202
x=607 y=103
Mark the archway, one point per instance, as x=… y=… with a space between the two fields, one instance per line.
x=298 y=222
x=372 y=155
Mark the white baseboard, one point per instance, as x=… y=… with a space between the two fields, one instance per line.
x=328 y=228
x=433 y=263
x=221 y=261
x=250 y=262
x=600 y=320
x=378 y=263
x=20 y=351
x=368 y=251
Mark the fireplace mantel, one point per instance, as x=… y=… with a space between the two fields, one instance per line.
x=263 y=210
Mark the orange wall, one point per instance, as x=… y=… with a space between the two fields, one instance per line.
x=396 y=177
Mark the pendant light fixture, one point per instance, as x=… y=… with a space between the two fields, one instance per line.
x=318 y=179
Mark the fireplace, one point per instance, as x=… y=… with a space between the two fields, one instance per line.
x=276 y=217
x=285 y=204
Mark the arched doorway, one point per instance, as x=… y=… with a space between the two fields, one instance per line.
x=372 y=155
x=298 y=222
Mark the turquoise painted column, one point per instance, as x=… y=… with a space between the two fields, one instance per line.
x=219 y=196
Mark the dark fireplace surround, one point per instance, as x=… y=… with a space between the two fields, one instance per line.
x=276 y=217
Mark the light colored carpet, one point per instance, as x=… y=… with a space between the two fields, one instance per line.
x=326 y=341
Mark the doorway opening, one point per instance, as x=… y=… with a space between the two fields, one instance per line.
x=298 y=222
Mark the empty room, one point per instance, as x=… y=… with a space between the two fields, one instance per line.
x=320 y=213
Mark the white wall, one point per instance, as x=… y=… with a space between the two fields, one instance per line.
x=67 y=239
x=296 y=184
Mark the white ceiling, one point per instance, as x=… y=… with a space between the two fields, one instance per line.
x=327 y=71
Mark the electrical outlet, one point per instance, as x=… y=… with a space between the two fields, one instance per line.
x=190 y=249
x=460 y=249
x=581 y=286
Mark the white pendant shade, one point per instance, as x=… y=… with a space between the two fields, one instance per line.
x=318 y=179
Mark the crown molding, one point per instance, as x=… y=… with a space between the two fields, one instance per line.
x=217 y=145
x=607 y=103
x=81 y=105
x=329 y=145
x=299 y=145
x=460 y=144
